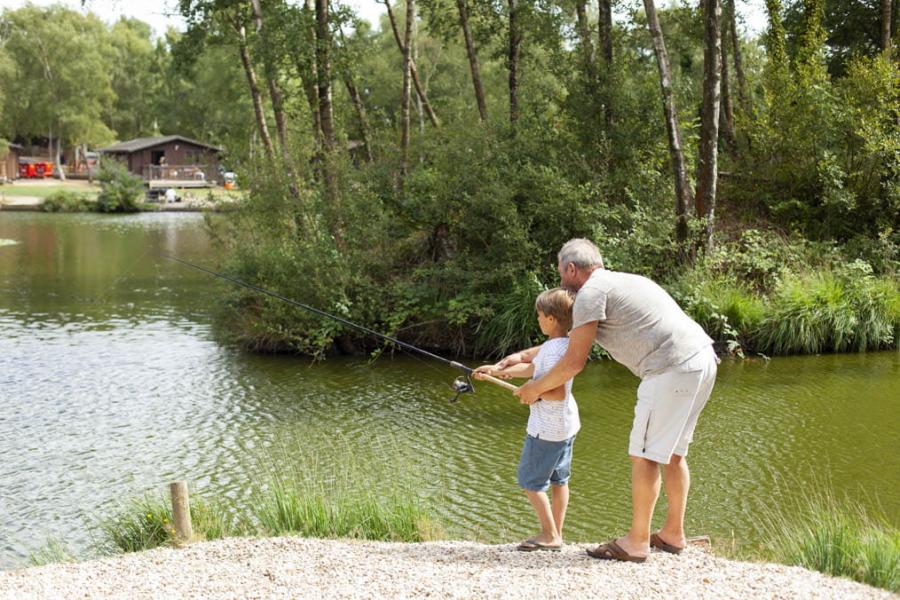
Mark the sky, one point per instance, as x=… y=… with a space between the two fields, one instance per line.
x=161 y=14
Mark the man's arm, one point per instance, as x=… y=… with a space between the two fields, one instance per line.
x=580 y=341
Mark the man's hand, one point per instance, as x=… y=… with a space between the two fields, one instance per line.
x=528 y=393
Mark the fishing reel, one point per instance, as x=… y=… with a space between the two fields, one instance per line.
x=462 y=385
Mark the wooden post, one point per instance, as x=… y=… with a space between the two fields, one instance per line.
x=181 y=511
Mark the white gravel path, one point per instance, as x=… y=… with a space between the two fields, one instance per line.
x=309 y=568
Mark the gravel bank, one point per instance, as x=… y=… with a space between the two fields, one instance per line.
x=307 y=568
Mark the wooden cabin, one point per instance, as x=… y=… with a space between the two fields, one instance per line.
x=169 y=160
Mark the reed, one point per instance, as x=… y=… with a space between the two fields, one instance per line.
x=146 y=523
x=837 y=537
x=332 y=494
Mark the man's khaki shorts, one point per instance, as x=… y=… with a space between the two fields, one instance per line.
x=668 y=406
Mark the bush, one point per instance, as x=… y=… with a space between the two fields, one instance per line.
x=66 y=201
x=120 y=190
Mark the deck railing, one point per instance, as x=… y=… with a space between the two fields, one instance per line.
x=178 y=173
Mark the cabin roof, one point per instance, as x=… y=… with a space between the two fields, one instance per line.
x=138 y=144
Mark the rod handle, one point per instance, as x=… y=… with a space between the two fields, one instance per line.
x=497 y=381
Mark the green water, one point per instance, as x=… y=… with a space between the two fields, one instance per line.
x=112 y=384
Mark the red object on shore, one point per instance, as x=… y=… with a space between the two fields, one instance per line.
x=35 y=169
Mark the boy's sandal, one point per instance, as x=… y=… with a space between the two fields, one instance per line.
x=658 y=543
x=532 y=546
x=613 y=551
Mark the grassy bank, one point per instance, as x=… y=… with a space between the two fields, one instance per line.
x=834 y=536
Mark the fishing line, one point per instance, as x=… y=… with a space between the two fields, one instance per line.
x=462 y=385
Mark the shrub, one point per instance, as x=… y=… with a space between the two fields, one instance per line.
x=120 y=190
x=66 y=201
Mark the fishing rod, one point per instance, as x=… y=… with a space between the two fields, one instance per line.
x=461 y=385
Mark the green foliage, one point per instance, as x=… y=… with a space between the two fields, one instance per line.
x=146 y=523
x=835 y=537
x=120 y=190
x=67 y=201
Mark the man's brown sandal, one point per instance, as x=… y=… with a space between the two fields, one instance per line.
x=613 y=551
x=658 y=543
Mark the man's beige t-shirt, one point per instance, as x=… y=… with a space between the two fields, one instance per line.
x=640 y=325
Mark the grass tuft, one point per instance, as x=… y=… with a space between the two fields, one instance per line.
x=836 y=537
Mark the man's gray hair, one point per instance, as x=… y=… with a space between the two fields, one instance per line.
x=580 y=252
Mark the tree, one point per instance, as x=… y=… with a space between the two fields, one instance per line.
x=515 y=43
x=707 y=171
x=473 y=59
x=51 y=99
x=408 y=41
x=683 y=197
x=606 y=44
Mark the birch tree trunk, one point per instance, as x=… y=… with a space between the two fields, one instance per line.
x=741 y=79
x=587 y=46
x=606 y=46
x=404 y=98
x=254 y=92
x=326 y=119
x=275 y=94
x=886 y=27
x=473 y=59
x=515 y=42
x=412 y=69
x=726 y=113
x=358 y=105
x=707 y=168
x=309 y=76
x=682 y=187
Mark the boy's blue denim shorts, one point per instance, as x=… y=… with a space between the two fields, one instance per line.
x=543 y=463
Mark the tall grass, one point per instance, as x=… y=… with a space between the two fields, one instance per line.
x=335 y=495
x=828 y=312
x=54 y=551
x=146 y=523
x=836 y=537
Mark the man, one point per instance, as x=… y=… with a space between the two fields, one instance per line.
x=643 y=328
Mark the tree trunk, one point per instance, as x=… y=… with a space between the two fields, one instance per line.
x=682 y=187
x=275 y=94
x=743 y=99
x=404 y=98
x=606 y=45
x=326 y=118
x=359 y=106
x=473 y=59
x=707 y=168
x=59 y=166
x=587 y=46
x=515 y=42
x=310 y=79
x=412 y=69
x=726 y=113
x=254 y=92
x=886 y=27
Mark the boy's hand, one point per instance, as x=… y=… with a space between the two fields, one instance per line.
x=492 y=370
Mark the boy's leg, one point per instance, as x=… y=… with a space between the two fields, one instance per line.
x=560 y=503
x=541 y=504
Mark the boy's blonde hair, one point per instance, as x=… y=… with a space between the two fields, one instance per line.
x=556 y=303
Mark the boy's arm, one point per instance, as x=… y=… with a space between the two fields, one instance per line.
x=519 y=370
x=516 y=358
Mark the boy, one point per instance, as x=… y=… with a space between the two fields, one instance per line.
x=552 y=424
